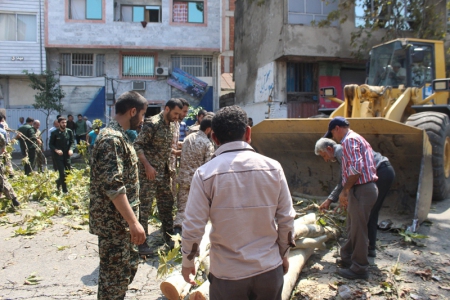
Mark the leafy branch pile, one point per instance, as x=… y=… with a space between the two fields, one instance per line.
x=41 y=187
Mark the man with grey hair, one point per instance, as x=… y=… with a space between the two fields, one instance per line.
x=329 y=150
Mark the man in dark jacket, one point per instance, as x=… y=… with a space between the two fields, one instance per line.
x=61 y=143
x=27 y=141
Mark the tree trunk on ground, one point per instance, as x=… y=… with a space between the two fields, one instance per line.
x=297 y=260
x=200 y=293
x=174 y=286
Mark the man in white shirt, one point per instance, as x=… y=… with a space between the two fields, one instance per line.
x=245 y=195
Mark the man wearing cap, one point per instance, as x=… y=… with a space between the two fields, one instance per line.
x=329 y=150
x=358 y=195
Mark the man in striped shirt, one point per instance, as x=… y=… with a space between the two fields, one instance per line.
x=358 y=196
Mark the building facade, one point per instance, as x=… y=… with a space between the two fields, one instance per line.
x=103 y=48
x=21 y=48
x=282 y=60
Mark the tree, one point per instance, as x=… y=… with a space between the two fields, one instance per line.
x=49 y=93
x=423 y=19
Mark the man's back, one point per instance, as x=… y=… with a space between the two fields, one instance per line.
x=242 y=192
x=29 y=137
x=197 y=150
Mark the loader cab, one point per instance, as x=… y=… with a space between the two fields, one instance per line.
x=401 y=62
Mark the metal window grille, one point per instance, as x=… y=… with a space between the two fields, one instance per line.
x=196 y=65
x=66 y=68
x=82 y=64
x=79 y=64
x=302 y=77
x=138 y=65
x=100 y=65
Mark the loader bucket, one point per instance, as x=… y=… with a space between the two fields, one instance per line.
x=292 y=142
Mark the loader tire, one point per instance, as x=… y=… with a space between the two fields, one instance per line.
x=437 y=126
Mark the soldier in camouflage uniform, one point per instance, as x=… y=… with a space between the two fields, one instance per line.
x=153 y=147
x=114 y=199
x=176 y=146
x=5 y=186
x=41 y=161
x=197 y=150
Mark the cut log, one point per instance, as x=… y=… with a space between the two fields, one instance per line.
x=200 y=293
x=308 y=219
x=297 y=259
x=318 y=242
x=312 y=231
x=174 y=286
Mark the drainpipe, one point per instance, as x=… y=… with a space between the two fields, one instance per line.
x=40 y=32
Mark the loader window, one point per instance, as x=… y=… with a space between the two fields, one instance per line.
x=388 y=65
x=421 y=65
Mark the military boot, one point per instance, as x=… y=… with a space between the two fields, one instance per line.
x=144 y=249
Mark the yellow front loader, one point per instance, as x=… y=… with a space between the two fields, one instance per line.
x=402 y=113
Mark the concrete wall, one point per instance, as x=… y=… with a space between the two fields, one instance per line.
x=258 y=43
x=108 y=33
x=32 y=53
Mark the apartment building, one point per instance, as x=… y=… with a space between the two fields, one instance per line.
x=21 y=48
x=161 y=49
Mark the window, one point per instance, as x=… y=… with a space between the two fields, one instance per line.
x=85 y=9
x=196 y=65
x=138 y=65
x=82 y=64
x=384 y=13
x=305 y=11
x=301 y=78
x=18 y=27
x=139 y=13
x=188 y=11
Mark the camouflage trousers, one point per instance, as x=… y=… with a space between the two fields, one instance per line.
x=183 y=194
x=160 y=189
x=8 y=164
x=173 y=182
x=40 y=161
x=119 y=260
x=6 y=187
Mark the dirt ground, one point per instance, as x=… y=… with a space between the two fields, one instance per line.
x=64 y=258
x=423 y=269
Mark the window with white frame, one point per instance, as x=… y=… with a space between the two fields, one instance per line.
x=85 y=9
x=188 y=12
x=304 y=12
x=196 y=65
x=82 y=64
x=18 y=27
x=384 y=13
x=138 y=65
x=139 y=13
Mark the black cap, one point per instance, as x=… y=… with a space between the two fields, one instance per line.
x=337 y=121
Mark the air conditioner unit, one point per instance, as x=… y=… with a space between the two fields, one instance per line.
x=138 y=85
x=161 y=71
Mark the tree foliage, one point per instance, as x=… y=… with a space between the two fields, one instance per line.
x=397 y=18
x=49 y=93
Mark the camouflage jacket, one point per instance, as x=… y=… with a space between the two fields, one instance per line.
x=155 y=141
x=176 y=137
x=197 y=150
x=114 y=171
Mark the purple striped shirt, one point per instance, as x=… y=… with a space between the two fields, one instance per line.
x=357 y=158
